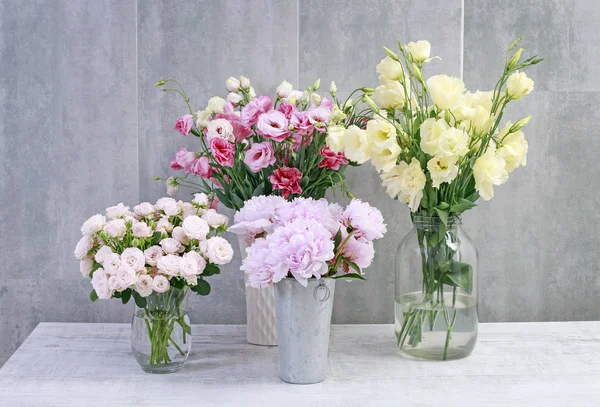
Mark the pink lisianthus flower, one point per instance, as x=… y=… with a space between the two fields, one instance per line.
x=332 y=160
x=254 y=109
x=184 y=124
x=240 y=131
x=273 y=125
x=200 y=166
x=287 y=109
x=325 y=102
x=259 y=156
x=214 y=203
x=319 y=117
x=365 y=220
x=223 y=151
x=182 y=159
x=301 y=122
x=287 y=180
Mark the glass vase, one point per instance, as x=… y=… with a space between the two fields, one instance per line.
x=436 y=290
x=161 y=335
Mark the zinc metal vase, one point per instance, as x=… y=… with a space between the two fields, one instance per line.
x=260 y=309
x=303 y=327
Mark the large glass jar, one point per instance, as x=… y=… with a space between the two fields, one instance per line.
x=161 y=335
x=436 y=290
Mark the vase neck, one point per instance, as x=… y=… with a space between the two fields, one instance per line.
x=433 y=223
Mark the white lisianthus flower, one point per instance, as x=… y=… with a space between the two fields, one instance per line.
x=160 y=204
x=489 y=170
x=453 y=143
x=142 y=230
x=234 y=98
x=86 y=265
x=144 y=209
x=111 y=263
x=93 y=224
x=189 y=269
x=518 y=85
x=179 y=234
x=117 y=211
x=356 y=144
x=215 y=219
x=100 y=284
x=201 y=199
x=390 y=69
x=164 y=226
x=244 y=82
x=384 y=156
x=218 y=250
x=446 y=91
x=284 y=89
x=216 y=105
x=419 y=51
x=203 y=118
x=125 y=277
x=160 y=284
x=232 y=84
x=442 y=169
x=133 y=258
x=431 y=131
x=82 y=248
x=389 y=95
x=251 y=93
x=172 y=209
x=335 y=138
x=380 y=132
x=102 y=253
x=514 y=149
x=143 y=285
x=170 y=245
x=195 y=227
x=169 y=264
x=115 y=228
x=406 y=182
x=315 y=99
x=220 y=128
x=152 y=254
x=482 y=120
x=295 y=97
x=172 y=186
x=336 y=115
x=198 y=259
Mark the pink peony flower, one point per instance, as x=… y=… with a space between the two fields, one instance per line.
x=319 y=117
x=287 y=109
x=223 y=151
x=365 y=220
x=259 y=156
x=182 y=159
x=257 y=264
x=273 y=125
x=301 y=123
x=287 y=180
x=240 y=131
x=184 y=124
x=254 y=109
x=358 y=251
x=200 y=166
x=256 y=216
x=332 y=160
x=328 y=215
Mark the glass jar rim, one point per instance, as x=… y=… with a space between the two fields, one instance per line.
x=419 y=220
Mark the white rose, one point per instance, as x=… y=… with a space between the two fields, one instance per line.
x=117 y=211
x=125 y=277
x=169 y=264
x=141 y=229
x=160 y=204
x=170 y=245
x=201 y=199
x=216 y=105
x=93 y=224
x=489 y=170
x=198 y=259
x=442 y=169
x=86 y=265
x=160 y=284
x=232 y=84
x=102 y=253
x=133 y=258
x=390 y=69
x=284 y=89
x=171 y=209
x=202 y=246
x=195 y=227
x=244 y=82
x=179 y=234
x=144 y=209
x=218 y=250
x=514 y=149
x=356 y=144
x=203 y=118
x=143 y=285
x=189 y=269
x=187 y=209
x=116 y=228
x=234 y=98
x=220 y=128
x=111 y=263
x=100 y=284
x=518 y=85
x=113 y=283
x=419 y=51
x=335 y=138
x=389 y=95
x=406 y=182
x=152 y=254
x=446 y=91
x=82 y=248
x=215 y=219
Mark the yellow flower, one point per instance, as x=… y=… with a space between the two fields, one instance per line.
x=419 y=51
x=335 y=138
x=445 y=91
x=514 y=148
x=356 y=144
x=440 y=140
x=489 y=170
x=384 y=155
x=442 y=169
x=406 y=182
x=518 y=85
x=390 y=69
x=390 y=94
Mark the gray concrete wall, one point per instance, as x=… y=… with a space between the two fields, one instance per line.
x=82 y=127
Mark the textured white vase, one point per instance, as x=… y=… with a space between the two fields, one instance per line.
x=260 y=310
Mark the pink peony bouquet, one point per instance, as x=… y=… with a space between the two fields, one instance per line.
x=306 y=238
x=153 y=248
x=255 y=145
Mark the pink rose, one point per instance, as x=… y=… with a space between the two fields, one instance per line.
x=200 y=166
x=259 y=156
x=223 y=151
x=184 y=124
x=301 y=122
x=332 y=160
x=254 y=109
x=182 y=159
x=319 y=117
x=273 y=125
x=287 y=109
x=240 y=131
x=287 y=180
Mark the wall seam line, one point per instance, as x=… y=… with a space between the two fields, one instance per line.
x=462 y=40
x=137 y=106
x=297 y=44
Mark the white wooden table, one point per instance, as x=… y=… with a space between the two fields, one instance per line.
x=521 y=364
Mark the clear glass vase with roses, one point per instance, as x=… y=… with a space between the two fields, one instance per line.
x=439 y=148
x=155 y=254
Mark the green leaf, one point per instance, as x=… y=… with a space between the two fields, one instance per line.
x=473 y=197
x=352 y=265
x=304 y=182
x=224 y=199
x=260 y=190
x=443 y=215
x=139 y=300
x=349 y=276
x=237 y=201
x=93 y=296
x=443 y=206
x=177 y=283
x=433 y=200
x=125 y=296
x=210 y=270
x=457 y=274
x=156 y=238
x=202 y=288
x=462 y=205
x=337 y=239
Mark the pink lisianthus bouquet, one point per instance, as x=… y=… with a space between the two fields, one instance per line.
x=257 y=145
x=152 y=248
x=306 y=238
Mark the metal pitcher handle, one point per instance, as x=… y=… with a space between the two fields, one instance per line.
x=322 y=292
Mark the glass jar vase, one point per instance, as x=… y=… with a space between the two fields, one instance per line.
x=161 y=335
x=436 y=290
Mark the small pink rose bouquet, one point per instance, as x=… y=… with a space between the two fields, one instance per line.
x=257 y=145
x=306 y=238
